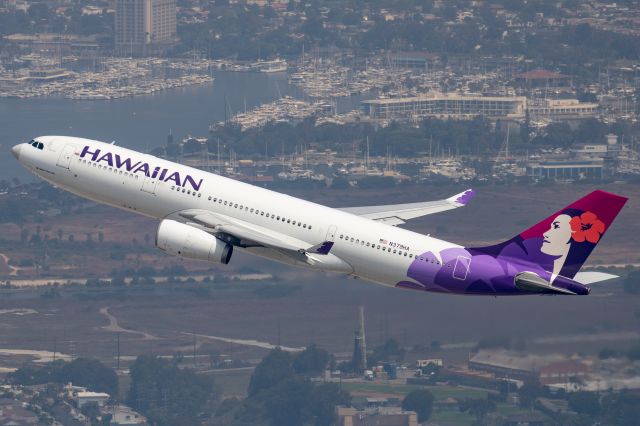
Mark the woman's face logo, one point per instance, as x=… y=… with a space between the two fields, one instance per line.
x=558 y=238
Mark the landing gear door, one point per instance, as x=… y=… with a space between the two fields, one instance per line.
x=461 y=268
x=64 y=160
x=149 y=184
x=331 y=233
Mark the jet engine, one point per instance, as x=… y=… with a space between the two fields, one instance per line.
x=183 y=240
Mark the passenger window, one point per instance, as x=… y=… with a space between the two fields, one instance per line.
x=277 y=217
x=309 y=226
x=235 y=206
x=261 y=213
x=251 y=210
x=209 y=199
x=225 y=203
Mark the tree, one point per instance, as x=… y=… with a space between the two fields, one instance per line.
x=528 y=393
x=91 y=374
x=285 y=402
x=86 y=372
x=585 y=403
x=389 y=351
x=166 y=394
x=281 y=392
x=621 y=408
x=91 y=410
x=420 y=401
x=311 y=362
x=323 y=400
x=273 y=368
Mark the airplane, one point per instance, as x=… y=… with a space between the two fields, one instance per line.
x=206 y=217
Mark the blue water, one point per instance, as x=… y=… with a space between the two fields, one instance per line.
x=140 y=122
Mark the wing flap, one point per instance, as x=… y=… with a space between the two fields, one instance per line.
x=251 y=235
x=397 y=214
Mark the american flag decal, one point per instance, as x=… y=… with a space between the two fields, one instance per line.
x=383 y=241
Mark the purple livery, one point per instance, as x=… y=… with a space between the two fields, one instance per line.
x=543 y=259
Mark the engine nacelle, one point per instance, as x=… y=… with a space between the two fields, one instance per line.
x=183 y=240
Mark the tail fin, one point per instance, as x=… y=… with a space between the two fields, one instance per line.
x=561 y=243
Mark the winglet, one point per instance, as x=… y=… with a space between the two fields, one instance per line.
x=323 y=248
x=463 y=198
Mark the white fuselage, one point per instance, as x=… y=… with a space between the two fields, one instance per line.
x=162 y=189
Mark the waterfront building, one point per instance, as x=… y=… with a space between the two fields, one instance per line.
x=144 y=27
x=566 y=170
x=460 y=106
x=561 y=109
x=446 y=105
x=58 y=44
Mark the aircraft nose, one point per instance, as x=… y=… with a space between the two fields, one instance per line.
x=16 y=151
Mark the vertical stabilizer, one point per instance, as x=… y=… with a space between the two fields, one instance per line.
x=562 y=242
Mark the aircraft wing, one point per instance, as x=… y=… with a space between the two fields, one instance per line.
x=397 y=214
x=244 y=234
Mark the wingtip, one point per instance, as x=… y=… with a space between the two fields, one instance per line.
x=463 y=198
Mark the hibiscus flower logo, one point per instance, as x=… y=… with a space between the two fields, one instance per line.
x=587 y=227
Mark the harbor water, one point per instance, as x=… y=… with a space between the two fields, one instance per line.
x=141 y=122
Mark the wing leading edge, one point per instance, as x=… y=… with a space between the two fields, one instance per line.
x=397 y=214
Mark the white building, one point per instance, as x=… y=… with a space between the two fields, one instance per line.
x=123 y=415
x=85 y=397
x=561 y=109
x=446 y=105
x=144 y=26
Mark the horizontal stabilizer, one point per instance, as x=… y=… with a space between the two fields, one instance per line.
x=528 y=281
x=592 y=277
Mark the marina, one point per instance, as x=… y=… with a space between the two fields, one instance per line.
x=109 y=78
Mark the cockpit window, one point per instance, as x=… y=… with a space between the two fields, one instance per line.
x=36 y=144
